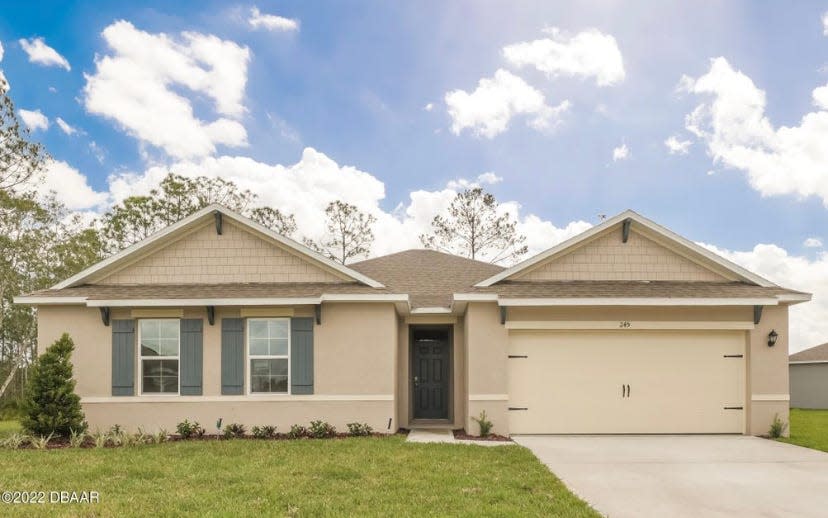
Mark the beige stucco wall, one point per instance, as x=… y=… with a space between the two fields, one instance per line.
x=486 y=355
x=608 y=258
x=768 y=371
x=236 y=255
x=809 y=385
x=354 y=361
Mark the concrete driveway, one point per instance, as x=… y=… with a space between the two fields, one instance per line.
x=693 y=476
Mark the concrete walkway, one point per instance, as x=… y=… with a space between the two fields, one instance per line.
x=431 y=436
x=692 y=476
x=446 y=436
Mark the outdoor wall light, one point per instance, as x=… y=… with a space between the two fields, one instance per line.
x=772 y=336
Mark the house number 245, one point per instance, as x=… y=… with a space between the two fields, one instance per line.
x=624 y=324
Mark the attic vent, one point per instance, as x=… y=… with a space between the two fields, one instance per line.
x=218 y=222
x=625 y=230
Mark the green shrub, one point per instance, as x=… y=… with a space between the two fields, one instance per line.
x=50 y=405
x=321 y=429
x=264 y=432
x=777 y=428
x=234 y=430
x=187 y=429
x=359 y=429
x=297 y=431
x=41 y=442
x=484 y=424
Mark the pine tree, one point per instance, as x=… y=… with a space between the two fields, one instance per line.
x=51 y=405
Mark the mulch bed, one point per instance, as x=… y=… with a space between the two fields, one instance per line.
x=461 y=435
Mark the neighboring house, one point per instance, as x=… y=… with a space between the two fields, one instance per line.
x=626 y=328
x=809 y=378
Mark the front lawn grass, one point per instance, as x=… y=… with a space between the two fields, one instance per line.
x=8 y=428
x=369 y=476
x=808 y=428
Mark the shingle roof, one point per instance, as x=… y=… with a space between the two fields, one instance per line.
x=429 y=277
x=209 y=291
x=629 y=289
x=818 y=353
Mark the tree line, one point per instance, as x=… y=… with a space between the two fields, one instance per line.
x=42 y=242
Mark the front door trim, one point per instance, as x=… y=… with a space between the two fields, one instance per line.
x=450 y=395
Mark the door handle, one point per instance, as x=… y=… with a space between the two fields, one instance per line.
x=416 y=381
x=623 y=391
x=628 y=391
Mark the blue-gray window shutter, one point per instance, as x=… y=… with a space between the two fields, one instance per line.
x=123 y=357
x=232 y=356
x=191 y=356
x=301 y=355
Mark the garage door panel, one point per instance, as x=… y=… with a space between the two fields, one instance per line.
x=572 y=382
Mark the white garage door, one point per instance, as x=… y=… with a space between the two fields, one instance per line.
x=626 y=382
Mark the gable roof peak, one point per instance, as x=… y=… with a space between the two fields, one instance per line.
x=199 y=217
x=651 y=226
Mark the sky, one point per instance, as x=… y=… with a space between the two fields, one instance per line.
x=710 y=118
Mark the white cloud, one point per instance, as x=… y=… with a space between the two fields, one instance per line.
x=271 y=22
x=43 y=54
x=825 y=23
x=489 y=178
x=460 y=184
x=733 y=124
x=812 y=242
x=133 y=85
x=34 y=119
x=428 y=107
x=306 y=187
x=71 y=187
x=1 y=51
x=65 y=127
x=488 y=110
x=676 y=146
x=808 y=326
x=621 y=152
x=587 y=54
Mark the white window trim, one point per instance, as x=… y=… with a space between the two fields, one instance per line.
x=140 y=367
x=248 y=376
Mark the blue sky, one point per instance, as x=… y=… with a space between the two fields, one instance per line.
x=352 y=81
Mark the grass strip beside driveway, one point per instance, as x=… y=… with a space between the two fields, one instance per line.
x=372 y=476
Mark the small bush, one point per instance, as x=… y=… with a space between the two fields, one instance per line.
x=359 y=429
x=297 y=431
x=16 y=440
x=264 y=432
x=76 y=439
x=484 y=424
x=100 y=439
x=41 y=442
x=234 y=430
x=777 y=428
x=115 y=430
x=187 y=429
x=161 y=436
x=321 y=429
x=50 y=405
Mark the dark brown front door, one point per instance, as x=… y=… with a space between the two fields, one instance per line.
x=431 y=372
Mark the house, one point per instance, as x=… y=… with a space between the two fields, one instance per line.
x=626 y=328
x=809 y=377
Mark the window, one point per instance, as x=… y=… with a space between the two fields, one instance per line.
x=268 y=343
x=159 y=341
